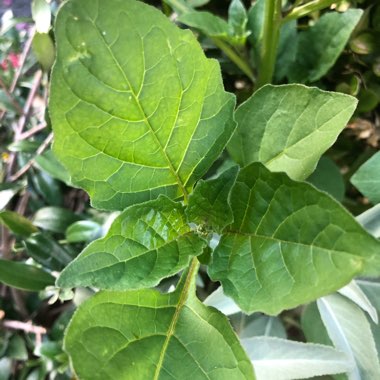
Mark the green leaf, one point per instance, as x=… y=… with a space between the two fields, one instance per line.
x=289 y=127
x=46 y=251
x=209 y=203
x=287 y=49
x=43 y=49
x=237 y=18
x=55 y=219
x=206 y=22
x=321 y=45
x=327 y=177
x=280 y=359
x=136 y=107
x=18 y=224
x=8 y=191
x=50 y=165
x=147 y=335
x=17 y=348
x=145 y=244
x=350 y=332
x=289 y=244
x=367 y=178
x=24 y=276
x=84 y=230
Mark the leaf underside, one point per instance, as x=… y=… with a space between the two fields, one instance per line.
x=137 y=109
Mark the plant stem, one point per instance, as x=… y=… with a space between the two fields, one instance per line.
x=305 y=9
x=234 y=57
x=271 y=33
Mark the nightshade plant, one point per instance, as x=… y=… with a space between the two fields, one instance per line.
x=139 y=116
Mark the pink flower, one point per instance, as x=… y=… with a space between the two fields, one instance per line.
x=14 y=59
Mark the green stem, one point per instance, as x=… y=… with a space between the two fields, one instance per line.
x=271 y=34
x=305 y=9
x=234 y=57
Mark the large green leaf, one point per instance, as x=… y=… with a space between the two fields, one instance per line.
x=146 y=243
x=136 y=107
x=367 y=178
x=320 y=46
x=289 y=244
x=143 y=335
x=289 y=127
x=209 y=202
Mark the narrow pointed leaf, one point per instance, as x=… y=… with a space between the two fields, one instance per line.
x=24 y=276
x=289 y=127
x=147 y=335
x=17 y=223
x=349 y=330
x=146 y=243
x=289 y=244
x=209 y=202
x=137 y=109
x=353 y=292
x=280 y=359
x=367 y=178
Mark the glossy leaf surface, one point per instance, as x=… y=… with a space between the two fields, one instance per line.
x=288 y=244
x=289 y=127
x=147 y=335
x=137 y=109
x=146 y=243
x=24 y=276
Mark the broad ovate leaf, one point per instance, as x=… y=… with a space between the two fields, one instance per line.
x=289 y=244
x=320 y=46
x=146 y=243
x=349 y=330
x=137 y=109
x=147 y=335
x=209 y=202
x=289 y=127
x=367 y=178
x=280 y=359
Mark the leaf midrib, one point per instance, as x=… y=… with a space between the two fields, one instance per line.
x=179 y=306
x=143 y=113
